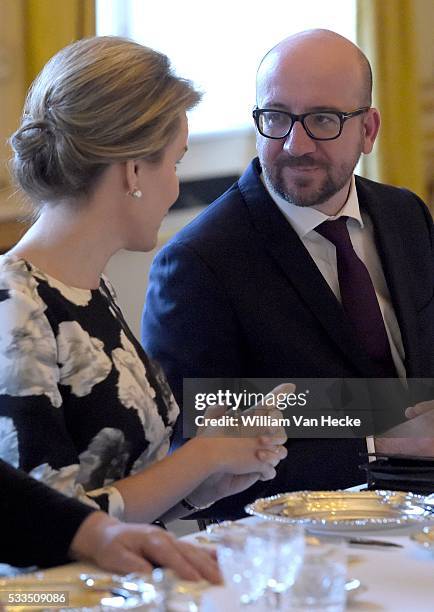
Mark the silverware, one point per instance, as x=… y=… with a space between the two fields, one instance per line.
x=368 y=542
x=213 y=539
x=352 y=541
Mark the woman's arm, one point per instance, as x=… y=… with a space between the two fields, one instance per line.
x=152 y=493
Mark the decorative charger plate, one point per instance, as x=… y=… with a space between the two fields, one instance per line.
x=345 y=510
x=425 y=538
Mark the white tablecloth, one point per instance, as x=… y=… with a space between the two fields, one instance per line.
x=395 y=579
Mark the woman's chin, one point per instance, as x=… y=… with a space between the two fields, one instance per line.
x=143 y=245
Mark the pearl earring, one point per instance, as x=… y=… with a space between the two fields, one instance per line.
x=136 y=193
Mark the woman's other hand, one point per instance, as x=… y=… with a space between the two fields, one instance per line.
x=124 y=548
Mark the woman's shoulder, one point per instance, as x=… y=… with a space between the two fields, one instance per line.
x=16 y=274
x=19 y=294
x=20 y=277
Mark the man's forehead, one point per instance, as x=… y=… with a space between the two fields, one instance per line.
x=313 y=44
x=311 y=76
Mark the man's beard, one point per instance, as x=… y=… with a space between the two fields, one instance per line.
x=299 y=192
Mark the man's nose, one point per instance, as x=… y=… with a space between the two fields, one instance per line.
x=298 y=142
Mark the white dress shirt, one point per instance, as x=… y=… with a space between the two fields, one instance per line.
x=304 y=220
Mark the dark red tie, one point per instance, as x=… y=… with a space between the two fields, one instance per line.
x=358 y=297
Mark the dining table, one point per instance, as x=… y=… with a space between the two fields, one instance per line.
x=392 y=578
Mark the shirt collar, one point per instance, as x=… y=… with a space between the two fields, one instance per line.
x=304 y=219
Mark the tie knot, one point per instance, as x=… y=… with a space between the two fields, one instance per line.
x=335 y=231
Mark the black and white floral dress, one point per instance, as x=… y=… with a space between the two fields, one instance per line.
x=81 y=405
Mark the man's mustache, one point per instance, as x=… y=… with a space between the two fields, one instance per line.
x=305 y=161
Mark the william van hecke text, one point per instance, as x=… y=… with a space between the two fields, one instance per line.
x=299 y=421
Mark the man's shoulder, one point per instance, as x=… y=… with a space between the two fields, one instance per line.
x=384 y=191
x=225 y=220
x=385 y=202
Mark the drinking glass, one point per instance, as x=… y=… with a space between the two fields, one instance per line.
x=283 y=550
x=242 y=560
x=320 y=585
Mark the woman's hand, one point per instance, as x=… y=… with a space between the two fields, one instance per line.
x=267 y=452
x=241 y=455
x=275 y=434
x=124 y=548
x=220 y=461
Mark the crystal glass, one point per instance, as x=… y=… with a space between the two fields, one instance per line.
x=243 y=562
x=283 y=549
x=258 y=559
x=320 y=585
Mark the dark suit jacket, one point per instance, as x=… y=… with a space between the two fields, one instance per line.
x=37 y=523
x=236 y=294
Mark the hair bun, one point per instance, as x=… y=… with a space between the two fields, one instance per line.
x=99 y=101
x=32 y=137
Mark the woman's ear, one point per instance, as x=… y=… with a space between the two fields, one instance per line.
x=131 y=176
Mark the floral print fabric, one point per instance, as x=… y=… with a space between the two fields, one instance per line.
x=81 y=404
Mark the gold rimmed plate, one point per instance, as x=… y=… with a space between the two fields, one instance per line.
x=345 y=510
x=424 y=538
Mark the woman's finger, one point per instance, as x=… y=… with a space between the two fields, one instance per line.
x=127 y=562
x=268 y=472
x=276 y=440
x=272 y=456
x=202 y=560
x=162 y=549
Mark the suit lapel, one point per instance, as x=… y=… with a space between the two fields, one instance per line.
x=284 y=245
x=390 y=249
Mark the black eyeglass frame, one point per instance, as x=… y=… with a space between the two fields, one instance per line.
x=257 y=112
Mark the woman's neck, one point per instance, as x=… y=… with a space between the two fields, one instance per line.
x=70 y=247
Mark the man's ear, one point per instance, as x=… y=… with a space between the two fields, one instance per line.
x=371 y=125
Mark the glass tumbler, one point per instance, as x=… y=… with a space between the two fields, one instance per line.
x=320 y=585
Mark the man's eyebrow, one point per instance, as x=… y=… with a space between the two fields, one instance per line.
x=276 y=105
x=315 y=109
x=310 y=109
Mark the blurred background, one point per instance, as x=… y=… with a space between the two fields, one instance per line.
x=218 y=46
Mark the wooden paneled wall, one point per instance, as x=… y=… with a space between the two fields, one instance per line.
x=12 y=91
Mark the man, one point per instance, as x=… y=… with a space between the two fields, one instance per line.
x=40 y=526
x=254 y=288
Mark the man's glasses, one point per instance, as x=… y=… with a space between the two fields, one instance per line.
x=319 y=125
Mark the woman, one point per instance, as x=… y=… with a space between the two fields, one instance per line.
x=82 y=407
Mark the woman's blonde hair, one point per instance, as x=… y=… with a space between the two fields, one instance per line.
x=98 y=101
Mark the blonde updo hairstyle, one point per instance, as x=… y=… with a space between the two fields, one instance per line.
x=98 y=101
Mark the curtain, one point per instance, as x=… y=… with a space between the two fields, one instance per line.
x=51 y=25
x=386 y=33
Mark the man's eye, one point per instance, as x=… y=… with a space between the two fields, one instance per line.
x=276 y=118
x=325 y=119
